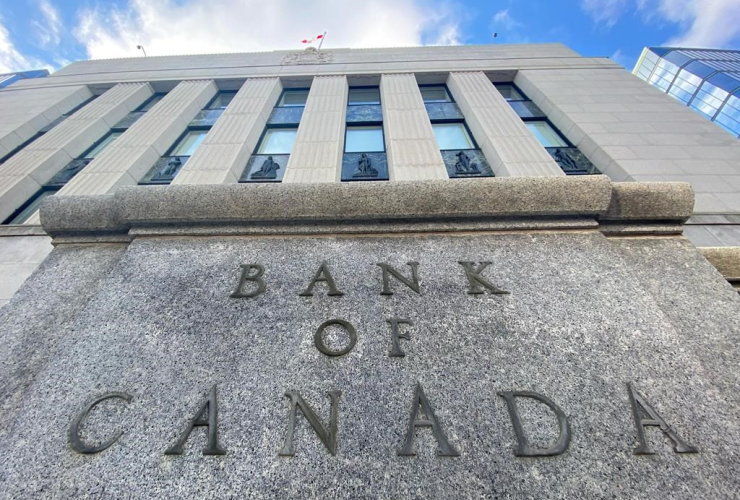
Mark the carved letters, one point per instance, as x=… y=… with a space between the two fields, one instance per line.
x=74 y=430
x=252 y=282
x=422 y=415
x=327 y=436
x=638 y=402
x=428 y=419
x=207 y=416
x=524 y=449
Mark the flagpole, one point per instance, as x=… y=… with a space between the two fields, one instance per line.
x=322 y=41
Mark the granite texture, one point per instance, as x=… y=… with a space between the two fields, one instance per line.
x=585 y=315
x=80 y=214
x=725 y=259
x=420 y=200
x=40 y=313
x=650 y=200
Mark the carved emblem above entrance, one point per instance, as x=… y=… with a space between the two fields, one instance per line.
x=308 y=56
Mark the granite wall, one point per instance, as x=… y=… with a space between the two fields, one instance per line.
x=591 y=306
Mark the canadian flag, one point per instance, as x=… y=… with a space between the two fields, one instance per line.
x=317 y=37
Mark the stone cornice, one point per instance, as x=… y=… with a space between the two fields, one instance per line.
x=503 y=203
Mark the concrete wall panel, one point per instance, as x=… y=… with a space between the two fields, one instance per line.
x=25 y=112
x=319 y=145
x=413 y=152
x=225 y=151
x=44 y=157
x=634 y=132
x=129 y=157
x=509 y=146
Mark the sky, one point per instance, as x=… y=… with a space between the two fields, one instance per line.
x=52 y=33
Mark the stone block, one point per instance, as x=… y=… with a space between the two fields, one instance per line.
x=650 y=200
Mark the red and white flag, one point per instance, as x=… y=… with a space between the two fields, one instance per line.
x=317 y=37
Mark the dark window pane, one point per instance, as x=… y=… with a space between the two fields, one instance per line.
x=151 y=102
x=222 y=100
x=278 y=141
x=364 y=140
x=94 y=152
x=435 y=94
x=32 y=207
x=292 y=98
x=452 y=136
x=364 y=96
x=509 y=92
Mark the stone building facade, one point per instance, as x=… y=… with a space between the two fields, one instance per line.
x=550 y=103
x=293 y=249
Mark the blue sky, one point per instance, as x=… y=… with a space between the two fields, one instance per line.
x=52 y=33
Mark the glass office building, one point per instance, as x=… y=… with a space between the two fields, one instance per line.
x=8 y=78
x=706 y=80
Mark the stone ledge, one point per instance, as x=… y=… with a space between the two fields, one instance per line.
x=80 y=215
x=365 y=200
x=381 y=203
x=662 y=201
x=725 y=259
x=21 y=230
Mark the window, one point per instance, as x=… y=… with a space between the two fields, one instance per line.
x=709 y=99
x=277 y=141
x=437 y=93
x=293 y=98
x=547 y=135
x=31 y=206
x=364 y=140
x=729 y=115
x=151 y=102
x=452 y=136
x=189 y=143
x=222 y=100
x=363 y=96
x=99 y=147
x=510 y=92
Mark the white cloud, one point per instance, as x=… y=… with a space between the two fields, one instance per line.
x=48 y=29
x=166 y=27
x=605 y=11
x=502 y=19
x=703 y=23
x=706 y=23
x=10 y=58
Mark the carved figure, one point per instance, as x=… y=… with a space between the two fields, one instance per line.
x=268 y=170
x=463 y=165
x=564 y=160
x=365 y=168
x=171 y=169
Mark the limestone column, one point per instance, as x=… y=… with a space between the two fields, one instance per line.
x=26 y=111
x=127 y=159
x=24 y=174
x=319 y=145
x=511 y=149
x=412 y=149
x=223 y=154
